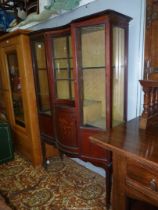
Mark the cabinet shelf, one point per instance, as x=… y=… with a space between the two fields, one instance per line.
x=63 y=69
x=62 y=58
x=88 y=101
x=64 y=79
x=93 y=67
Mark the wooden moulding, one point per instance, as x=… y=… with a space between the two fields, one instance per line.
x=150 y=105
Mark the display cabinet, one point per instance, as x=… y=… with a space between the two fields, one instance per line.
x=43 y=90
x=18 y=92
x=87 y=80
x=100 y=49
x=52 y=50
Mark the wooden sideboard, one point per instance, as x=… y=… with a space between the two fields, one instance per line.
x=135 y=164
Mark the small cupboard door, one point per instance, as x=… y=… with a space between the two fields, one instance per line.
x=66 y=130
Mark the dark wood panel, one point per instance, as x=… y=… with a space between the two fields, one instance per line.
x=66 y=129
x=46 y=125
x=90 y=151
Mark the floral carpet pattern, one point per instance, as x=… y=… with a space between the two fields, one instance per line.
x=65 y=185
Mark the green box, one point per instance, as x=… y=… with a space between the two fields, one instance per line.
x=6 y=144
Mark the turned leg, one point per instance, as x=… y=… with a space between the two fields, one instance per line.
x=61 y=154
x=44 y=153
x=108 y=187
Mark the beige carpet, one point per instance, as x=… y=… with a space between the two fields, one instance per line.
x=65 y=185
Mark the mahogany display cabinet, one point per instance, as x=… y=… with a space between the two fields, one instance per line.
x=83 y=83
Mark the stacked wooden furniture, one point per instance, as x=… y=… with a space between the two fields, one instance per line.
x=80 y=73
x=18 y=94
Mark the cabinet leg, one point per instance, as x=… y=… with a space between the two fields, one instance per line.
x=44 y=154
x=108 y=187
x=61 y=155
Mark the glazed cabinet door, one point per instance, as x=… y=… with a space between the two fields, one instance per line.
x=60 y=50
x=100 y=54
x=41 y=78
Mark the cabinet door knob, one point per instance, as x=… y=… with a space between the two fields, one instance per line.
x=153 y=185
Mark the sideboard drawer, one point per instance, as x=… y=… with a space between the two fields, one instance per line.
x=144 y=175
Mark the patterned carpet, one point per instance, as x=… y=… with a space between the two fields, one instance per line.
x=66 y=185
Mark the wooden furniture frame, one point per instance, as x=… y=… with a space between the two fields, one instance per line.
x=135 y=163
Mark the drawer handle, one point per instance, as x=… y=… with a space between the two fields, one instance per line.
x=153 y=185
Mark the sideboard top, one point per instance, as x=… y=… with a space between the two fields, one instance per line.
x=132 y=140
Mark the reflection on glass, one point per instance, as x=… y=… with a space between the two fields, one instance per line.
x=92 y=63
x=3 y=112
x=15 y=82
x=42 y=79
x=40 y=55
x=62 y=53
x=63 y=89
x=1 y=86
x=118 y=75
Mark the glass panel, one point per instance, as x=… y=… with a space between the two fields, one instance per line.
x=63 y=63
x=3 y=112
x=60 y=47
x=63 y=67
x=15 y=82
x=63 y=89
x=40 y=54
x=118 y=75
x=44 y=91
x=42 y=79
x=93 y=66
x=71 y=74
x=93 y=47
x=62 y=74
